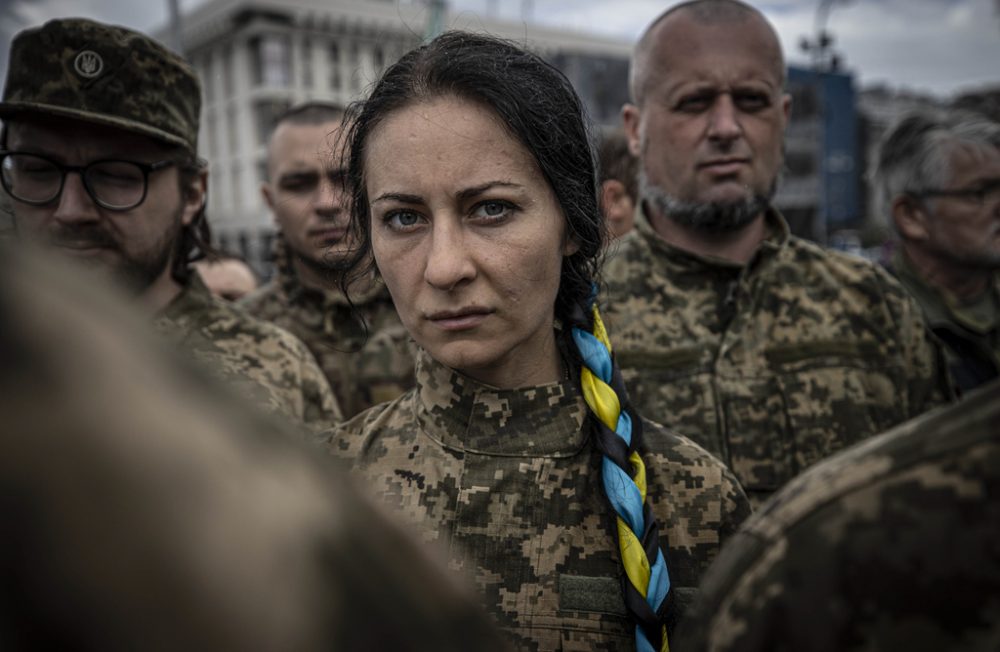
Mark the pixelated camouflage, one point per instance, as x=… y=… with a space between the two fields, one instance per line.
x=508 y=481
x=891 y=545
x=971 y=342
x=267 y=364
x=82 y=69
x=770 y=366
x=144 y=508
x=363 y=368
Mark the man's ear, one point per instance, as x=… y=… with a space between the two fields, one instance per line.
x=612 y=193
x=195 y=196
x=911 y=217
x=630 y=121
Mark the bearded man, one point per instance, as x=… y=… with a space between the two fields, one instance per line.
x=768 y=350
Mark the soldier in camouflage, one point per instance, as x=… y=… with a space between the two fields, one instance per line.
x=939 y=176
x=767 y=350
x=486 y=237
x=145 y=508
x=891 y=545
x=99 y=159
x=361 y=345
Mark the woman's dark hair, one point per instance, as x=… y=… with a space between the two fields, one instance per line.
x=539 y=108
x=536 y=104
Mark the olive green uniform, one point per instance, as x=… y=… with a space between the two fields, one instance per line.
x=969 y=333
x=269 y=365
x=509 y=483
x=891 y=545
x=366 y=362
x=772 y=365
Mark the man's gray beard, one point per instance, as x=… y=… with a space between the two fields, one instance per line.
x=708 y=217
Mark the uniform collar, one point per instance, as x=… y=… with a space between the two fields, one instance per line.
x=465 y=415
x=778 y=237
x=293 y=288
x=193 y=296
x=941 y=310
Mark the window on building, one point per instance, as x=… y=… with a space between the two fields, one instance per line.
x=227 y=71
x=206 y=71
x=272 y=60
x=336 y=80
x=378 y=56
x=210 y=135
x=234 y=186
x=232 y=132
x=800 y=164
x=266 y=113
x=262 y=171
x=354 y=65
x=307 y=68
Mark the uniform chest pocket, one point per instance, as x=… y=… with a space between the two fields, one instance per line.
x=835 y=394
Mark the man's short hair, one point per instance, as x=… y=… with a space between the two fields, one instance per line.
x=704 y=12
x=311 y=113
x=616 y=161
x=915 y=154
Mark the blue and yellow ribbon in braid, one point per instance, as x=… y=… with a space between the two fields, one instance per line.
x=626 y=493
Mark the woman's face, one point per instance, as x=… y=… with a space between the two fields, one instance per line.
x=469 y=238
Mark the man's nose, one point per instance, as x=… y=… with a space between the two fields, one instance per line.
x=74 y=203
x=724 y=120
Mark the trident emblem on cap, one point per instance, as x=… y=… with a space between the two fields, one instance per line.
x=88 y=64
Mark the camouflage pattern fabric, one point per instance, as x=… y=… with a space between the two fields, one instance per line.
x=770 y=366
x=363 y=368
x=892 y=545
x=268 y=365
x=971 y=342
x=145 y=509
x=508 y=481
x=82 y=69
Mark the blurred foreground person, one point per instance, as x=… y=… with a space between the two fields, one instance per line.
x=227 y=277
x=617 y=169
x=99 y=159
x=892 y=545
x=766 y=349
x=584 y=527
x=144 y=509
x=940 y=178
x=360 y=344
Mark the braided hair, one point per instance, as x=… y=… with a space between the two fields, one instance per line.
x=540 y=109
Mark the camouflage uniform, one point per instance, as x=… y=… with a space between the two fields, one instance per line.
x=971 y=342
x=272 y=367
x=143 y=509
x=364 y=368
x=509 y=482
x=770 y=366
x=892 y=545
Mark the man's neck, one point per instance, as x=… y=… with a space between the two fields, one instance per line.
x=312 y=277
x=161 y=292
x=963 y=283
x=734 y=246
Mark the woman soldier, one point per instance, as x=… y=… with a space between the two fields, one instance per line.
x=583 y=527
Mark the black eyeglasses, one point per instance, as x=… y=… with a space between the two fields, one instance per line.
x=112 y=183
x=978 y=195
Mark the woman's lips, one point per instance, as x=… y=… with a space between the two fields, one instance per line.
x=459 y=320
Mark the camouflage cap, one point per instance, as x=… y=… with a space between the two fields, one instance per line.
x=110 y=75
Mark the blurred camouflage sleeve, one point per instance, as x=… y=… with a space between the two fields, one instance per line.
x=890 y=545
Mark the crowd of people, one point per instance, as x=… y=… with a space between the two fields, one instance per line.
x=511 y=388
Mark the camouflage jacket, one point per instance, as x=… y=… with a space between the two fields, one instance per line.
x=773 y=365
x=364 y=368
x=892 y=545
x=508 y=482
x=267 y=364
x=972 y=349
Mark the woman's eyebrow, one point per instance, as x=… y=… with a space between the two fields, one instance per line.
x=398 y=196
x=475 y=191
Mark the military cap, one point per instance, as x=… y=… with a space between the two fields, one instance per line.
x=106 y=74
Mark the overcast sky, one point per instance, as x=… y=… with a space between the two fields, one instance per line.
x=934 y=46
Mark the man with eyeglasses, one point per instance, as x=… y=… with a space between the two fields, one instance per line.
x=939 y=174
x=98 y=160
x=360 y=343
